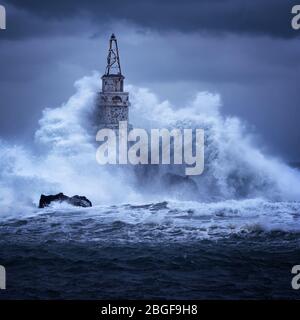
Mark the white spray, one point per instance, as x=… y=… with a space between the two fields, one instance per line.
x=234 y=166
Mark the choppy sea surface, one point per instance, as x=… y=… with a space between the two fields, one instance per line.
x=235 y=249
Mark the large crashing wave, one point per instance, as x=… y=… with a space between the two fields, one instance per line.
x=234 y=167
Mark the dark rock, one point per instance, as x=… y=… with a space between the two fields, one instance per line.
x=80 y=201
x=180 y=185
x=77 y=201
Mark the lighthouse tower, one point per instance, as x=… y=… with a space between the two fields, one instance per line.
x=113 y=102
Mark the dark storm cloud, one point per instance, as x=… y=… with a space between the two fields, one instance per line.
x=23 y=23
x=244 y=50
x=263 y=17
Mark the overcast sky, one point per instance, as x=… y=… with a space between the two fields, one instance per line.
x=244 y=50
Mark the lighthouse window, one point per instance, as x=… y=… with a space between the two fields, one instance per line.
x=116 y=99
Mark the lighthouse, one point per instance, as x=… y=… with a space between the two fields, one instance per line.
x=113 y=102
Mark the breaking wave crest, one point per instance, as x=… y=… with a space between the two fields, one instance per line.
x=157 y=222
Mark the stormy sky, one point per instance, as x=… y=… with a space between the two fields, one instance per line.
x=244 y=50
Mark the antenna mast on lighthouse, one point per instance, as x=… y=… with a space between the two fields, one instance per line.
x=113 y=103
x=113 y=60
